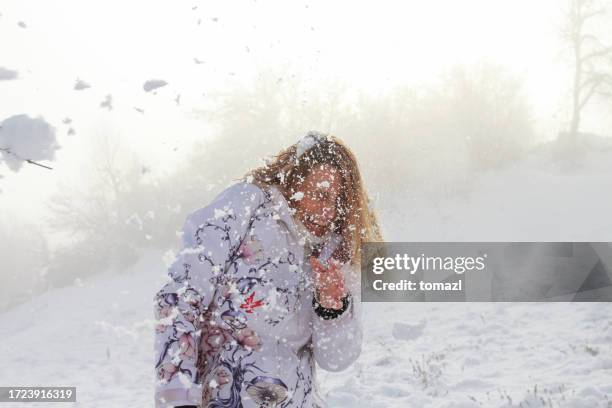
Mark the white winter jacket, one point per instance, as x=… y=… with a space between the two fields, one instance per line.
x=235 y=324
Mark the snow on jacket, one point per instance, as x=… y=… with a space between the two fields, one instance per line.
x=235 y=324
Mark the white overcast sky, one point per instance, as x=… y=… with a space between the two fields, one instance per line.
x=117 y=45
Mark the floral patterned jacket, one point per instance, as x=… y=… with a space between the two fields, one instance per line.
x=235 y=325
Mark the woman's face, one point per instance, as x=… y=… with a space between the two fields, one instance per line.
x=317 y=208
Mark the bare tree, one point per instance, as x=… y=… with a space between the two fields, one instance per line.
x=592 y=58
x=490 y=112
x=110 y=211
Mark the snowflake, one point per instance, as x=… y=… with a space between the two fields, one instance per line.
x=219 y=213
x=297 y=196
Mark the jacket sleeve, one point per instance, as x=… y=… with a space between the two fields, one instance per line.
x=337 y=342
x=211 y=238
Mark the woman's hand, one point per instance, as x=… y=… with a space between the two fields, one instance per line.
x=329 y=283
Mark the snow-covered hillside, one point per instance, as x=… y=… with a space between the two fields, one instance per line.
x=532 y=200
x=98 y=334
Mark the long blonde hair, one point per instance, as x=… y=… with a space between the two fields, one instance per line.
x=356 y=222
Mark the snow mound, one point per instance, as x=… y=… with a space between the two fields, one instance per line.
x=405 y=331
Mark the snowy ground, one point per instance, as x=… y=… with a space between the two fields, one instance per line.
x=98 y=334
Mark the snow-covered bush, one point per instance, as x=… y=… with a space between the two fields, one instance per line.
x=433 y=137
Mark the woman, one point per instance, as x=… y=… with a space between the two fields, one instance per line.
x=267 y=284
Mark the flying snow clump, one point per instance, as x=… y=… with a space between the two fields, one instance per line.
x=153 y=84
x=80 y=85
x=8 y=74
x=107 y=102
x=297 y=196
x=25 y=138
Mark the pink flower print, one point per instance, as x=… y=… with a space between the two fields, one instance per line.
x=249 y=339
x=187 y=347
x=191 y=315
x=166 y=371
x=250 y=250
x=213 y=339
x=222 y=377
x=162 y=312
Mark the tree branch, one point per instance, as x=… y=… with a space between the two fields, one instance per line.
x=585 y=15
x=38 y=164
x=8 y=151
x=599 y=53
x=588 y=96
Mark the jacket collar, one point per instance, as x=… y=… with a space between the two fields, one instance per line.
x=284 y=212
